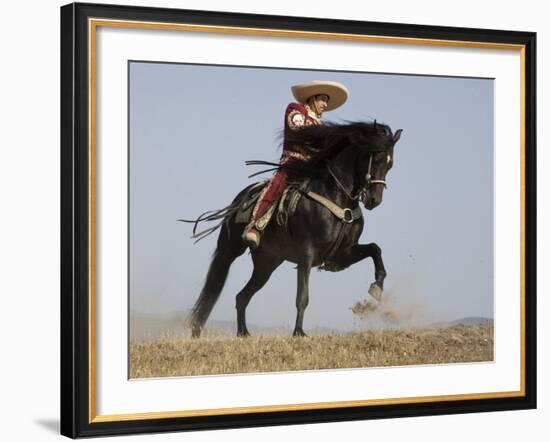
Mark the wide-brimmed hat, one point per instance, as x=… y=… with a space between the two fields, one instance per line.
x=337 y=92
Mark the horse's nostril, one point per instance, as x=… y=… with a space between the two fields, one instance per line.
x=373 y=202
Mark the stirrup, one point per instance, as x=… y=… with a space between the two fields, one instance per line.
x=251 y=237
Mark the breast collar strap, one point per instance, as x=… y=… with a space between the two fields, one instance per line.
x=346 y=215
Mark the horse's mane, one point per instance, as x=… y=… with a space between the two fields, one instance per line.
x=327 y=140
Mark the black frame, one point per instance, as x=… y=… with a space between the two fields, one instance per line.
x=75 y=220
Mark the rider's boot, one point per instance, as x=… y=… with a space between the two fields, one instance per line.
x=269 y=194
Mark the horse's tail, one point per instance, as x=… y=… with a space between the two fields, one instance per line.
x=227 y=250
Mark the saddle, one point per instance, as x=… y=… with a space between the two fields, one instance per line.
x=283 y=207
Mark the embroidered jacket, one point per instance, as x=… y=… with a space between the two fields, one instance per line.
x=297 y=116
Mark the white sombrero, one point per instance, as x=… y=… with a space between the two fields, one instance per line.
x=337 y=92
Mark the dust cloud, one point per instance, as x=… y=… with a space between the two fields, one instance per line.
x=402 y=305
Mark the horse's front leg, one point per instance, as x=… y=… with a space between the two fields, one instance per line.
x=302 y=298
x=357 y=253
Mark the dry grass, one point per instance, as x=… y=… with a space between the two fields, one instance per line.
x=182 y=356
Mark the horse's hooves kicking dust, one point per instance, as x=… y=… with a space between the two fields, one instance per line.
x=375 y=291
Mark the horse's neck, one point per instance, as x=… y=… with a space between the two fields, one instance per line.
x=343 y=168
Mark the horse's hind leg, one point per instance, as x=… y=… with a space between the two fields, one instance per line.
x=229 y=247
x=263 y=268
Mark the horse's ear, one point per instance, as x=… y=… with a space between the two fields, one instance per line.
x=397 y=135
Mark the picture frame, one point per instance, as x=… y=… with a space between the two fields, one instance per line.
x=81 y=387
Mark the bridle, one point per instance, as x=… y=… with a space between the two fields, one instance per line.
x=367 y=183
x=368 y=179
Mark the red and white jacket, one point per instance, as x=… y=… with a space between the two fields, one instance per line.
x=297 y=116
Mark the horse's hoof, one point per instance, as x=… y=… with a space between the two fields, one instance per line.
x=243 y=334
x=299 y=334
x=375 y=291
x=196 y=332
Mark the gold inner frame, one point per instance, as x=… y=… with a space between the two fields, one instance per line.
x=93 y=24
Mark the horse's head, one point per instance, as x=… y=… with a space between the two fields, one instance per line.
x=375 y=159
x=363 y=150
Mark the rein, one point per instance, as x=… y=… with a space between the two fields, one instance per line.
x=363 y=189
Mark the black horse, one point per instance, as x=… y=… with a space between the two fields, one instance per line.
x=349 y=164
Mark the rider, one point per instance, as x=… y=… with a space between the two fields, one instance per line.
x=313 y=99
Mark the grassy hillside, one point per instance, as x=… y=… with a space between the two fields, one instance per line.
x=224 y=354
